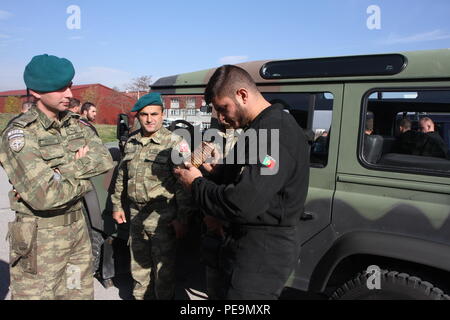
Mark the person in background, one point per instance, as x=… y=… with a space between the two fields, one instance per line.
x=27 y=106
x=409 y=141
x=427 y=126
x=88 y=115
x=75 y=105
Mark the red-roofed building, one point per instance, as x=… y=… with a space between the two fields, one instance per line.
x=109 y=102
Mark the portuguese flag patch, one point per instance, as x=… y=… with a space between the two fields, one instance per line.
x=269 y=162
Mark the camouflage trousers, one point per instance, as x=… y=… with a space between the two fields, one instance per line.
x=153 y=253
x=59 y=265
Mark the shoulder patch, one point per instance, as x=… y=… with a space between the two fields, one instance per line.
x=16 y=139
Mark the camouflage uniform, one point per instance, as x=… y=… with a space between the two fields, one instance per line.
x=50 y=251
x=230 y=136
x=84 y=121
x=156 y=198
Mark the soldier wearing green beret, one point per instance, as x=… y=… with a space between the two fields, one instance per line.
x=49 y=158
x=159 y=206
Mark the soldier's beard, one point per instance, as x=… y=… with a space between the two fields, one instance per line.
x=241 y=117
x=50 y=110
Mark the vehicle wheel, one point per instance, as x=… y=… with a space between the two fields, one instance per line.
x=393 y=286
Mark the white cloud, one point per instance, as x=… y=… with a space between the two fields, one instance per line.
x=419 y=37
x=5 y=15
x=232 y=59
x=107 y=76
x=76 y=38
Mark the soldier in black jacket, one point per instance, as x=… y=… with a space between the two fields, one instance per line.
x=418 y=143
x=427 y=127
x=260 y=198
x=410 y=141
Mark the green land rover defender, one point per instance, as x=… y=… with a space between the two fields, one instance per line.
x=377 y=218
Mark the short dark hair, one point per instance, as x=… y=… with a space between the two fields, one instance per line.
x=86 y=106
x=226 y=80
x=405 y=123
x=73 y=103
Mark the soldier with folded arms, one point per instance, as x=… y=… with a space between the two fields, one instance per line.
x=49 y=157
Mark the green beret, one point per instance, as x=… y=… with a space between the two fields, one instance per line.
x=153 y=98
x=47 y=73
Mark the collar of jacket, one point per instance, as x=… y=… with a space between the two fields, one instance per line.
x=263 y=114
x=47 y=123
x=157 y=137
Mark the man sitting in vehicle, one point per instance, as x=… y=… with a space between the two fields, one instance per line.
x=416 y=143
x=427 y=126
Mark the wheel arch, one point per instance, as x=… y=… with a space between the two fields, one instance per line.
x=382 y=246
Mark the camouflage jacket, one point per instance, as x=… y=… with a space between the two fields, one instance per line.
x=38 y=155
x=146 y=173
x=85 y=122
x=230 y=136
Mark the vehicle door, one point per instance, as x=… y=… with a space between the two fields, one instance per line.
x=317 y=109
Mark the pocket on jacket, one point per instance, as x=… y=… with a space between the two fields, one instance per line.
x=23 y=244
x=76 y=141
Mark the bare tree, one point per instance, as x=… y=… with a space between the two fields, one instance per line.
x=140 y=84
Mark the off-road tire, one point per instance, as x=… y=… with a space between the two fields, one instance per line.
x=394 y=286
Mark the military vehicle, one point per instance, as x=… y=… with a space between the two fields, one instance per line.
x=377 y=222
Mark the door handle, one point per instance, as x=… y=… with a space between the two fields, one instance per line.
x=307 y=216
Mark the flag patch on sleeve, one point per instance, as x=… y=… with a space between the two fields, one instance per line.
x=269 y=162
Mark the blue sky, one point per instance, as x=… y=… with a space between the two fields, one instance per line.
x=120 y=40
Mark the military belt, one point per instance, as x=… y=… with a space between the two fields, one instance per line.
x=56 y=221
x=160 y=203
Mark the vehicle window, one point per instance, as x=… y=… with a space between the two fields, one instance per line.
x=410 y=130
x=313 y=112
x=187 y=108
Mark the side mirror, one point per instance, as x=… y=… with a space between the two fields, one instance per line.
x=123 y=128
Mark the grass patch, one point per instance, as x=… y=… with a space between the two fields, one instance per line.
x=106 y=132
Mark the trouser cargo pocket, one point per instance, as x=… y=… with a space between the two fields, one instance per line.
x=23 y=245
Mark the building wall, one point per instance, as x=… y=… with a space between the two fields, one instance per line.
x=3 y=102
x=109 y=102
x=183 y=112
